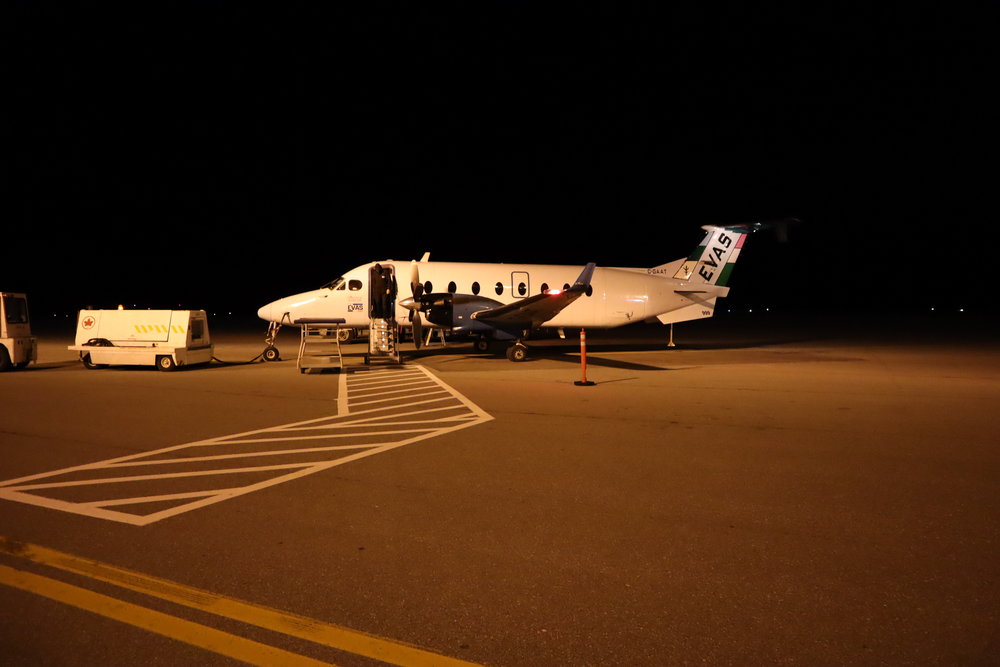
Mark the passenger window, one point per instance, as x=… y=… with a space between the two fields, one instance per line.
x=428 y=287
x=499 y=289
x=566 y=287
x=475 y=288
x=590 y=291
x=452 y=287
x=354 y=285
x=545 y=288
x=522 y=289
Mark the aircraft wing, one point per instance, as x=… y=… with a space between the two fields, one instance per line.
x=534 y=311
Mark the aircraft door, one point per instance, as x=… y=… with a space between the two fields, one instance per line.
x=382 y=292
x=520 y=284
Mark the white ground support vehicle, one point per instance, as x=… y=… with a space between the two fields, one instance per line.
x=18 y=347
x=162 y=338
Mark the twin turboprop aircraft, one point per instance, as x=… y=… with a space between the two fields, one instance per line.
x=507 y=302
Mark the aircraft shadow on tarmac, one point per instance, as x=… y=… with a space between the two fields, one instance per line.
x=460 y=352
x=568 y=353
x=604 y=362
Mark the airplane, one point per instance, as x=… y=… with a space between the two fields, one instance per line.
x=507 y=302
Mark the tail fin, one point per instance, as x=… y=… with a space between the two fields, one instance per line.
x=712 y=261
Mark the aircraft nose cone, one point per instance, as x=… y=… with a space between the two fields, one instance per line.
x=265 y=312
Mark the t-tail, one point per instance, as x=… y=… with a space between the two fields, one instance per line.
x=712 y=261
x=703 y=276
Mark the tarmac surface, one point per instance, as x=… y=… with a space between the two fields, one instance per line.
x=763 y=493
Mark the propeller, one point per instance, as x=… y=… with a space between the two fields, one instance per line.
x=417 y=290
x=416 y=287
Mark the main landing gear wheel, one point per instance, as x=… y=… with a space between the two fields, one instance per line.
x=271 y=354
x=517 y=352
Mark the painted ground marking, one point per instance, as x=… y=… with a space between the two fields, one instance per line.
x=378 y=409
x=196 y=634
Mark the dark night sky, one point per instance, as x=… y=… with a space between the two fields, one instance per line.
x=217 y=156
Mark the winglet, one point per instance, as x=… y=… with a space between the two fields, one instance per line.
x=583 y=282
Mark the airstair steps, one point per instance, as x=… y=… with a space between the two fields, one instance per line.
x=383 y=344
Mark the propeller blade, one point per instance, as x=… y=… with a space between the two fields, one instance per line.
x=417 y=328
x=416 y=288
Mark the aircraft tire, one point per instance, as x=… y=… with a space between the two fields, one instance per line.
x=271 y=353
x=517 y=352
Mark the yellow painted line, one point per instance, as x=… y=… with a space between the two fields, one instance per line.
x=195 y=634
x=327 y=634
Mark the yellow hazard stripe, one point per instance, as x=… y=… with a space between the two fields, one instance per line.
x=159 y=328
x=327 y=634
x=188 y=632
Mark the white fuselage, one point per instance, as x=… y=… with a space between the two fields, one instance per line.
x=618 y=296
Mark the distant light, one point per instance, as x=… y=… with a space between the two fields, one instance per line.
x=121 y=307
x=961 y=310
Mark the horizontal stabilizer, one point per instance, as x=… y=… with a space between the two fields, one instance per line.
x=704 y=290
x=701 y=308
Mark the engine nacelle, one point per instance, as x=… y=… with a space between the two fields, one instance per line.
x=454 y=311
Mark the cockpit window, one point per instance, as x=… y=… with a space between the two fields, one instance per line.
x=334 y=284
x=354 y=285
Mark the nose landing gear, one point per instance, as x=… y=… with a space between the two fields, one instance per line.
x=271 y=352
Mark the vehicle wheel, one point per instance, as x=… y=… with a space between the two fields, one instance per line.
x=271 y=354
x=88 y=363
x=517 y=352
x=4 y=359
x=482 y=344
x=345 y=335
x=165 y=363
